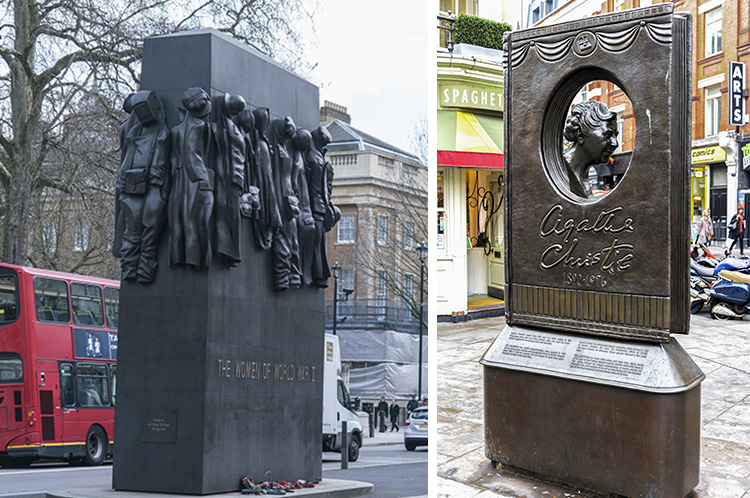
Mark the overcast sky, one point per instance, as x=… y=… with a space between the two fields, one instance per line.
x=373 y=59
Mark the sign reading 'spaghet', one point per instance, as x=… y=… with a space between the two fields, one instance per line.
x=608 y=263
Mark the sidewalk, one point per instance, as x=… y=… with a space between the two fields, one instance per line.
x=382 y=438
x=720 y=348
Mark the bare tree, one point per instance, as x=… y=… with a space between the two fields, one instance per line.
x=58 y=54
x=392 y=248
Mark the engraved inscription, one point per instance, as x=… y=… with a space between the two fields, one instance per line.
x=528 y=352
x=159 y=426
x=584 y=280
x=538 y=338
x=619 y=368
x=255 y=370
x=613 y=256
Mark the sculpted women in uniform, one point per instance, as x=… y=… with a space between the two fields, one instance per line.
x=269 y=218
x=303 y=251
x=284 y=239
x=592 y=128
x=192 y=198
x=230 y=179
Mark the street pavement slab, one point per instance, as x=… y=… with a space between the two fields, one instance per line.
x=721 y=349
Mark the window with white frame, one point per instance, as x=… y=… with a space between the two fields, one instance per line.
x=382 y=230
x=49 y=238
x=409 y=235
x=713 y=31
x=713 y=110
x=346 y=229
x=81 y=238
x=620 y=129
x=409 y=285
x=381 y=292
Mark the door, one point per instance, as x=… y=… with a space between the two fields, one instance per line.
x=496 y=236
x=69 y=412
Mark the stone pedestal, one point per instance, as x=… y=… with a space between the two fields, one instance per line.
x=613 y=416
x=218 y=376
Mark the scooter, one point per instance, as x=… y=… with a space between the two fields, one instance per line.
x=704 y=272
x=730 y=295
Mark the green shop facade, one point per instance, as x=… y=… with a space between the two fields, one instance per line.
x=470 y=263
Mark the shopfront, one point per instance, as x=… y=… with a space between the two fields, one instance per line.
x=471 y=263
x=709 y=186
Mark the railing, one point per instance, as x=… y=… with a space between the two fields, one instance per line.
x=446 y=28
x=373 y=313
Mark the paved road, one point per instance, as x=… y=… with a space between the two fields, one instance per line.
x=396 y=473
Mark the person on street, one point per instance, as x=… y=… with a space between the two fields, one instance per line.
x=412 y=404
x=395 y=411
x=382 y=413
x=737 y=232
x=705 y=229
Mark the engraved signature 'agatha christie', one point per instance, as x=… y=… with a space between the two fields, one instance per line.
x=611 y=256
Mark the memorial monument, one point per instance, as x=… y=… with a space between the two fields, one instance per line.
x=586 y=385
x=220 y=356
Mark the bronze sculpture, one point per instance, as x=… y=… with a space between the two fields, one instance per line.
x=285 y=273
x=303 y=251
x=268 y=218
x=192 y=198
x=229 y=157
x=592 y=129
x=250 y=200
x=317 y=182
x=143 y=188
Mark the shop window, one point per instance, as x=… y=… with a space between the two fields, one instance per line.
x=713 y=110
x=441 y=209
x=346 y=229
x=713 y=32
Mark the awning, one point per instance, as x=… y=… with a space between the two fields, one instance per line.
x=467 y=140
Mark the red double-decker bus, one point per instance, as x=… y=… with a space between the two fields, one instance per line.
x=58 y=352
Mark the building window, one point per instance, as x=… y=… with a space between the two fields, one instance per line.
x=346 y=230
x=409 y=235
x=81 y=242
x=713 y=32
x=620 y=135
x=381 y=292
x=713 y=110
x=536 y=16
x=382 y=230
x=409 y=285
x=49 y=238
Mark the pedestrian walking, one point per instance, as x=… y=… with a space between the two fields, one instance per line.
x=382 y=413
x=736 y=232
x=412 y=404
x=705 y=229
x=395 y=411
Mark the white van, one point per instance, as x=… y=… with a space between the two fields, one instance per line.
x=337 y=406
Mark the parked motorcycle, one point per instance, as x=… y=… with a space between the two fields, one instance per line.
x=730 y=295
x=705 y=270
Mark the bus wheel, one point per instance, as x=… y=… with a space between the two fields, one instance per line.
x=96 y=446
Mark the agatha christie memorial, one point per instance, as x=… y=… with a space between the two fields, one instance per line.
x=587 y=384
x=222 y=206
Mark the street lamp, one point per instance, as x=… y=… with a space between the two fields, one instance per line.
x=336 y=268
x=422 y=251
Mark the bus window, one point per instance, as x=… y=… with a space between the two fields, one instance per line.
x=112 y=306
x=51 y=300
x=86 y=300
x=11 y=368
x=67 y=387
x=113 y=380
x=93 y=388
x=8 y=298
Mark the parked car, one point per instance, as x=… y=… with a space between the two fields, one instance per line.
x=415 y=429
